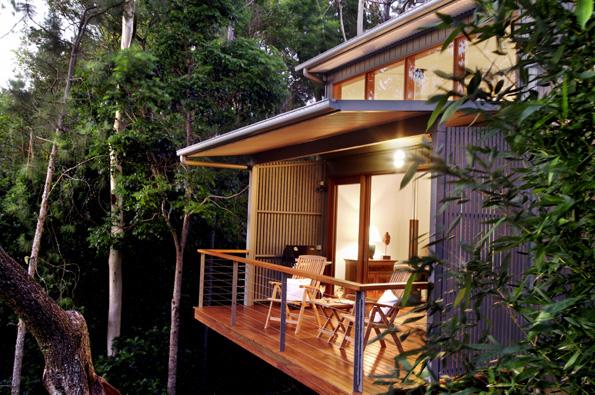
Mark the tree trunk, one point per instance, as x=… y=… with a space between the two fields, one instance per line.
x=230 y=33
x=175 y=311
x=30 y=152
x=114 y=317
x=341 y=23
x=360 y=17
x=62 y=336
x=180 y=244
x=386 y=13
x=44 y=205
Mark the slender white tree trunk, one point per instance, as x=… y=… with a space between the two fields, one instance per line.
x=230 y=33
x=360 y=17
x=114 y=317
x=342 y=24
x=180 y=244
x=44 y=205
x=30 y=152
x=386 y=13
x=175 y=308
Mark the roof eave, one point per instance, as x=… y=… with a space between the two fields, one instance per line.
x=321 y=107
x=378 y=31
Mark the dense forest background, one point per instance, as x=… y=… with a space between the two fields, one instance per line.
x=106 y=114
x=194 y=69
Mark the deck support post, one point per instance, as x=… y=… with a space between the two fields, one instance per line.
x=283 y=312
x=234 y=293
x=358 y=342
x=201 y=281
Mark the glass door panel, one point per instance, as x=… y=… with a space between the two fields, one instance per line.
x=391 y=210
x=347 y=231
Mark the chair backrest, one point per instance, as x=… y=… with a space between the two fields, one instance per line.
x=400 y=274
x=312 y=264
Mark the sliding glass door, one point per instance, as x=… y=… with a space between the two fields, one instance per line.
x=347 y=224
x=375 y=224
x=403 y=214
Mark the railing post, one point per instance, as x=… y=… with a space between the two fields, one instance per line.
x=234 y=293
x=201 y=281
x=358 y=342
x=283 y=311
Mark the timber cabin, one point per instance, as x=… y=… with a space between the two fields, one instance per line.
x=325 y=179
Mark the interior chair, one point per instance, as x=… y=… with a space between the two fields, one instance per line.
x=301 y=291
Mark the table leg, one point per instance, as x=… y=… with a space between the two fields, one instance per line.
x=339 y=326
x=327 y=322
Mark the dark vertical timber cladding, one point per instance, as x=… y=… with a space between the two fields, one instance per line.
x=289 y=210
x=451 y=144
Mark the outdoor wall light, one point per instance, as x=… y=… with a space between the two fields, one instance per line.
x=399 y=158
x=322 y=187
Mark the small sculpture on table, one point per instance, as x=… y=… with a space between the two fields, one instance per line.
x=386 y=241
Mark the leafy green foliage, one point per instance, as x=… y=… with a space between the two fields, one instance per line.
x=138 y=366
x=542 y=192
x=179 y=69
x=299 y=30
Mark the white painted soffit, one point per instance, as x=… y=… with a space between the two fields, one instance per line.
x=278 y=121
x=386 y=34
x=306 y=124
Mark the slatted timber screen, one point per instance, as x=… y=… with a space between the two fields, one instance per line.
x=290 y=209
x=495 y=319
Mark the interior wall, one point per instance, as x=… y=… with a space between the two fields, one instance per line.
x=391 y=208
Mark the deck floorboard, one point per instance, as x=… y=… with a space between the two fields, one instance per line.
x=321 y=366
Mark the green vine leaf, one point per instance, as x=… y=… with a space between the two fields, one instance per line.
x=583 y=11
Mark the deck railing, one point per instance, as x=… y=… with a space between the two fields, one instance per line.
x=224 y=270
x=217 y=277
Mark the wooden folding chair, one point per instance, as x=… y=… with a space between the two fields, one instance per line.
x=381 y=316
x=308 y=263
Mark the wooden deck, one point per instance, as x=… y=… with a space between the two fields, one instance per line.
x=312 y=361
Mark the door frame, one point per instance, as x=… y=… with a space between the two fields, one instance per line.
x=365 y=182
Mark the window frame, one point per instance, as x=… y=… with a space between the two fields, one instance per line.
x=458 y=70
x=371 y=78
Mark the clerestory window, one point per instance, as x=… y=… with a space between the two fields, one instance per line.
x=415 y=78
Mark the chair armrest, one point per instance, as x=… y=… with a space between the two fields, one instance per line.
x=380 y=305
x=275 y=283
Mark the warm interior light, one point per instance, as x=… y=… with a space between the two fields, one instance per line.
x=374 y=235
x=373 y=238
x=349 y=252
x=399 y=158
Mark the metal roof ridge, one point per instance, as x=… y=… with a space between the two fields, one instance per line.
x=376 y=31
x=259 y=127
